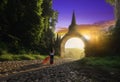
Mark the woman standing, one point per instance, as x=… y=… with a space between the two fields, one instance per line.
x=52 y=56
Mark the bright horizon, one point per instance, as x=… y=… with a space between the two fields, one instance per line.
x=86 y=11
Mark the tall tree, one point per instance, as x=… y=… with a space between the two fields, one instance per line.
x=48 y=14
x=47 y=41
x=21 y=20
x=57 y=45
x=3 y=21
x=115 y=38
x=25 y=23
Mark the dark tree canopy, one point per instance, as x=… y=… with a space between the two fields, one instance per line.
x=24 y=24
x=114 y=37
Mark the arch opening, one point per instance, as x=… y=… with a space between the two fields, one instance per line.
x=74 y=48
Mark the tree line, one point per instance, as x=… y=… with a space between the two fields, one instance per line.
x=112 y=44
x=27 y=26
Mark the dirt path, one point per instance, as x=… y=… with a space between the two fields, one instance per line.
x=63 y=70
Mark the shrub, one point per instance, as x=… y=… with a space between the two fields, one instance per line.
x=108 y=61
x=27 y=57
x=7 y=57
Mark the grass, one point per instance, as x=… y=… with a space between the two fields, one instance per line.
x=11 y=57
x=105 y=62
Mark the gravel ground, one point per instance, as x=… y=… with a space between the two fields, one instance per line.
x=63 y=70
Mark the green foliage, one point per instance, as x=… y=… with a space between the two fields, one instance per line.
x=6 y=57
x=11 y=57
x=115 y=39
x=112 y=2
x=27 y=57
x=54 y=19
x=38 y=56
x=57 y=45
x=3 y=48
x=24 y=25
x=47 y=41
x=50 y=16
x=107 y=62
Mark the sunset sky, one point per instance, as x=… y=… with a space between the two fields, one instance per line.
x=86 y=11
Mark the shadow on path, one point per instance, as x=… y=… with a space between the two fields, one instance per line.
x=74 y=71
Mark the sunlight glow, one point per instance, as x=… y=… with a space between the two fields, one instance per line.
x=75 y=43
x=87 y=37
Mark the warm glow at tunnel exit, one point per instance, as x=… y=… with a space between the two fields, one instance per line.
x=75 y=43
x=74 y=48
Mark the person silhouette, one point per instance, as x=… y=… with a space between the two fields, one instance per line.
x=52 y=56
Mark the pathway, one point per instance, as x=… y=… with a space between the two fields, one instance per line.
x=64 y=70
